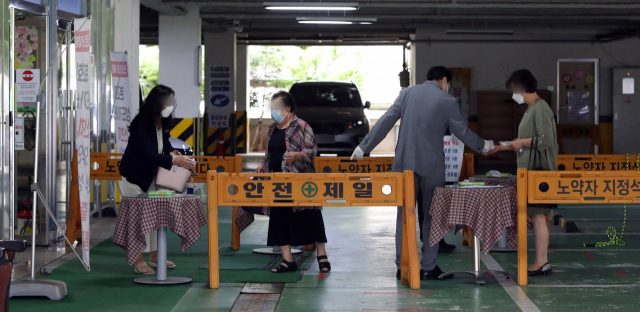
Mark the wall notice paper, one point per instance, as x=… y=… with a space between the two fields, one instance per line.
x=27 y=84
x=628 y=85
x=121 y=111
x=82 y=29
x=578 y=104
x=453 y=157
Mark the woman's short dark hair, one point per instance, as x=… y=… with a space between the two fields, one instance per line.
x=439 y=72
x=287 y=98
x=524 y=79
x=152 y=107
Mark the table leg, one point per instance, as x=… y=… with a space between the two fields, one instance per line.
x=162 y=254
x=161 y=271
x=477 y=266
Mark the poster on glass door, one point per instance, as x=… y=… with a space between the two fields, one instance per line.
x=121 y=111
x=82 y=29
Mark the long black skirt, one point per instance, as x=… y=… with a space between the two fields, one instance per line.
x=303 y=227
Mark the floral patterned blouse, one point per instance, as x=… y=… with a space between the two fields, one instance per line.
x=299 y=138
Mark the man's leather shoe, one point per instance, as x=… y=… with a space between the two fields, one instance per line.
x=433 y=274
x=445 y=248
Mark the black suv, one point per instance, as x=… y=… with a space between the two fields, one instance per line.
x=335 y=112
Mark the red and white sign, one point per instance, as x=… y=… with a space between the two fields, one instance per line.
x=27 y=84
x=566 y=78
x=84 y=100
x=121 y=91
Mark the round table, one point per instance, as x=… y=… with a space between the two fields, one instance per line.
x=140 y=215
x=501 y=245
x=487 y=211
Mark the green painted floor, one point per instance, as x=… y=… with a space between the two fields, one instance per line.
x=361 y=251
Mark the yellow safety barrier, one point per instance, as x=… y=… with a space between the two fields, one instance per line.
x=595 y=162
x=316 y=189
x=106 y=166
x=346 y=165
x=569 y=187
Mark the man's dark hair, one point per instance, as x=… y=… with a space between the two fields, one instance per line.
x=439 y=72
x=522 y=78
x=286 y=98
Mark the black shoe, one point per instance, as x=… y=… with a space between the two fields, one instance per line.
x=433 y=274
x=445 y=248
x=398 y=275
x=285 y=266
x=543 y=270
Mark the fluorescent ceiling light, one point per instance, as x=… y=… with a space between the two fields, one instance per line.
x=311 y=6
x=326 y=22
x=335 y=20
x=478 y=32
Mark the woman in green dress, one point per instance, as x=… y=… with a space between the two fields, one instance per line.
x=538 y=124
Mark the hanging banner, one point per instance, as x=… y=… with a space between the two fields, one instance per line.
x=82 y=29
x=121 y=112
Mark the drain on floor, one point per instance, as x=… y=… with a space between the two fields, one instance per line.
x=256 y=303
x=263 y=288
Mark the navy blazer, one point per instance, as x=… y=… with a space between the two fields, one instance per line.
x=141 y=160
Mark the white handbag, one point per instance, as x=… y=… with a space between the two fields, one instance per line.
x=175 y=179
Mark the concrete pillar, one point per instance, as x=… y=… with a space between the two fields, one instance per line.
x=126 y=33
x=180 y=43
x=220 y=51
x=242 y=77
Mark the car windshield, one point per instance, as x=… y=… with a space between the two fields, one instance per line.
x=308 y=95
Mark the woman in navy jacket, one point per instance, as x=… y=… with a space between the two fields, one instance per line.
x=147 y=150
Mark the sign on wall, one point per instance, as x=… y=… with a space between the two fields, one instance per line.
x=27 y=84
x=578 y=91
x=82 y=29
x=220 y=92
x=121 y=111
x=461 y=89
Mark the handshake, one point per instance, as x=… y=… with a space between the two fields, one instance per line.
x=183 y=161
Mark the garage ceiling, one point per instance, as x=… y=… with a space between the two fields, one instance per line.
x=397 y=20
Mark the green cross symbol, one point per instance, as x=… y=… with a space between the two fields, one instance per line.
x=309 y=189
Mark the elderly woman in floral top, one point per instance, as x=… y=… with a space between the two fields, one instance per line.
x=291 y=147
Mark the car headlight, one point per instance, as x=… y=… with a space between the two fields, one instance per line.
x=358 y=123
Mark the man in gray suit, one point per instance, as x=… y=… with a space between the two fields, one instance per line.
x=427 y=110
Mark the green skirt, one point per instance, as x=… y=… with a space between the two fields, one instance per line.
x=533 y=211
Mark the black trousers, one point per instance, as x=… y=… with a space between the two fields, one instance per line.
x=303 y=227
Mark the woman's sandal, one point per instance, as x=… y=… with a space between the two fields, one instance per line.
x=285 y=266
x=170 y=265
x=324 y=265
x=147 y=271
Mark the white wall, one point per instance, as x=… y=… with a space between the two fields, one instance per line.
x=126 y=37
x=179 y=39
x=492 y=63
x=242 y=78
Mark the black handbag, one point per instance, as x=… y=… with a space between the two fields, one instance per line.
x=536 y=167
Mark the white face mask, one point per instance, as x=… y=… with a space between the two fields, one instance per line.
x=518 y=98
x=167 y=111
x=446 y=83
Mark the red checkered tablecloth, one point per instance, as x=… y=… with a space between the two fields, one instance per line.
x=243 y=219
x=137 y=216
x=485 y=211
x=510 y=182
